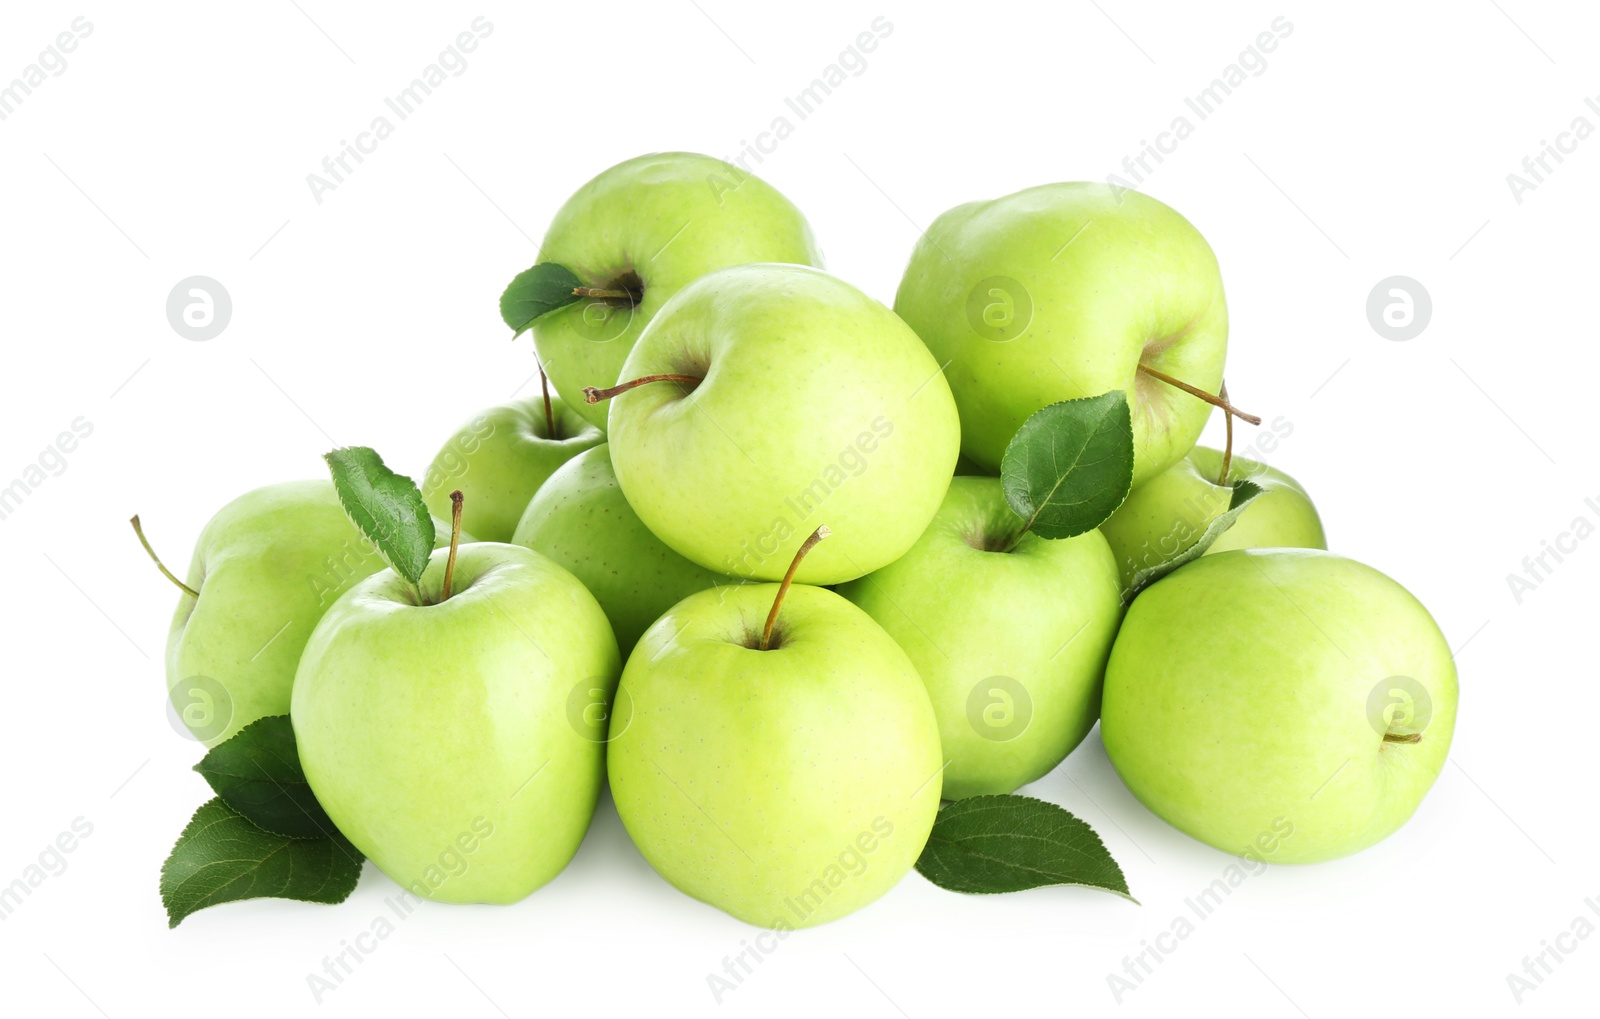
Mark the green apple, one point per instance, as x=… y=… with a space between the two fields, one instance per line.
x=1063 y=291
x=1165 y=515
x=265 y=569
x=1281 y=700
x=790 y=786
x=441 y=737
x=1014 y=660
x=648 y=227
x=582 y=521
x=806 y=402
x=965 y=466
x=500 y=458
x=1282 y=516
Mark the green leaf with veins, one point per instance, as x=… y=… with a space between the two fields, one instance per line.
x=1070 y=465
x=1243 y=492
x=985 y=845
x=386 y=507
x=537 y=291
x=257 y=772
x=223 y=857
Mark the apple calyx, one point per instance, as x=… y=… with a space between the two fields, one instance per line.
x=456 y=499
x=139 y=530
x=986 y=541
x=788 y=579
x=1215 y=401
x=592 y=394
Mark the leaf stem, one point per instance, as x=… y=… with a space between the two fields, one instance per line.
x=1215 y=401
x=139 y=530
x=593 y=395
x=1011 y=546
x=614 y=295
x=456 y=499
x=788 y=579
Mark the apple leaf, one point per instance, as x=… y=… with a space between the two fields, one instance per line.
x=537 y=291
x=386 y=507
x=1070 y=465
x=257 y=772
x=1243 y=492
x=984 y=845
x=223 y=857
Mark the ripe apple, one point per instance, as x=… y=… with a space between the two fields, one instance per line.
x=423 y=726
x=965 y=466
x=647 y=227
x=264 y=570
x=1255 y=691
x=500 y=458
x=789 y=786
x=582 y=521
x=1063 y=291
x=1165 y=515
x=1282 y=516
x=1010 y=636
x=788 y=397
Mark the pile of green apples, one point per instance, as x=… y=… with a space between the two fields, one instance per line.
x=758 y=564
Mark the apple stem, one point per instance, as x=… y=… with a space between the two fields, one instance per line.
x=139 y=530
x=549 y=417
x=1215 y=401
x=614 y=295
x=1402 y=737
x=456 y=499
x=788 y=578
x=1227 y=449
x=593 y=395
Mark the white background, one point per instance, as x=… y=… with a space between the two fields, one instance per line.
x=1376 y=142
